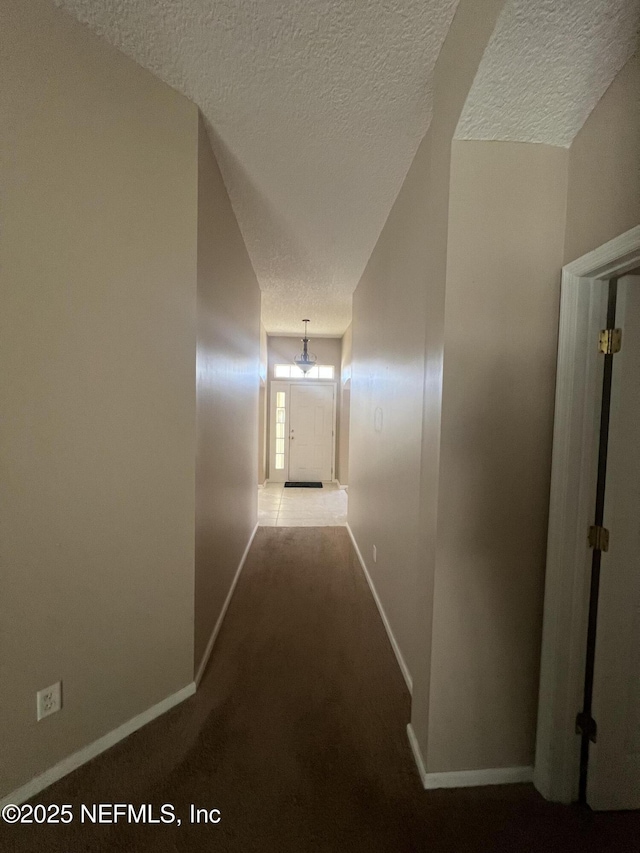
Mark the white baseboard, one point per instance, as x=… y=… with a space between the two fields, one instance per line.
x=466 y=778
x=473 y=778
x=72 y=762
x=394 y=645
x=218 y=625
x=342 y=486
x=77 y=759
x=417 y=754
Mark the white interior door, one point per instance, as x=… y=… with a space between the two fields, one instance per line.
x=311 y=425
x=614 y=760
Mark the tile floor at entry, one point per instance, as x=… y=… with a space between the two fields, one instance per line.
x=280 y=507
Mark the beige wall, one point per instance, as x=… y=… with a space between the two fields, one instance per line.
x=345 y=407
x=477 y=239
x=264 y=353
x=396 y=498
x=505 y=245
x=98 y=306
x=262 y=433
x=228 y=368
x=455 y=70
x=387 y=373
x=282 y=350
x=604 y=168
x=262 y=407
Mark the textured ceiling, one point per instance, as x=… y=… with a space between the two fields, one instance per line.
x=315 y=110
x=545 y=68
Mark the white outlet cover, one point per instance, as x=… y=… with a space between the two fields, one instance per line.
x=49 y=700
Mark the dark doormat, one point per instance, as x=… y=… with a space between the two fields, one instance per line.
x=289 y=485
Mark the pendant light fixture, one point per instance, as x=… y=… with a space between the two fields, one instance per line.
x=306 y=360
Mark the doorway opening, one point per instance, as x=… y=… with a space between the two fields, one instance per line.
x=588 y=744
x=302 y=427
x=306 y=433
x=302 y=448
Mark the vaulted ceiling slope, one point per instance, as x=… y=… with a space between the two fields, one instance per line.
x=315 y=111
x=316 y=108
x=545 y=68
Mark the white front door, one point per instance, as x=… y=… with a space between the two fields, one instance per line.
x=614 y=760
x=301 y=428
x=311 y=425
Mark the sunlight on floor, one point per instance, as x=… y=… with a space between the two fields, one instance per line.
x=280 y=507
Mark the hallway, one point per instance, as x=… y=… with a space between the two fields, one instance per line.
x=297 y=735
x=186 y=188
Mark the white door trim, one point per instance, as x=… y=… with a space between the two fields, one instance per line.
x=571 y=502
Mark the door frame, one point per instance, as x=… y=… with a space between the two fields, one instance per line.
x=289 y=383
x=573 y=478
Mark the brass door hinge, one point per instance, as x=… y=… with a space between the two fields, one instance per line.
x=599 y=538
x=610 y=341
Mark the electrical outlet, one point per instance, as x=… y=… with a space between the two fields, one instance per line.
x=49 y=700
x=375 y=554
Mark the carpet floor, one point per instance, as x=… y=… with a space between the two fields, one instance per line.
x=297 y=735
